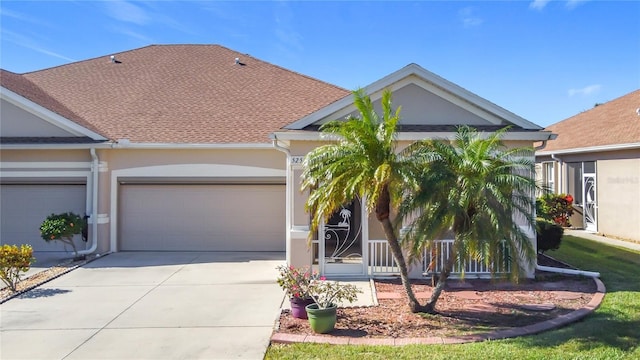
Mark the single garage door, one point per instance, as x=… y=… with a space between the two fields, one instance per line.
x=24 y=208
x=202 y=217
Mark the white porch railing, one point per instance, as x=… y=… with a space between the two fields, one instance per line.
x=381 y=262
x=435 y=258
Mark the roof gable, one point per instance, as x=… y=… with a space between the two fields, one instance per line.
x=27 y=111
x=426 y=100
x=616 y=122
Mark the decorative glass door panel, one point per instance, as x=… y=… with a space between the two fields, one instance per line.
x=341 y=241
x=590 y=203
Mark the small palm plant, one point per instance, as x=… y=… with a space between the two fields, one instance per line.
x=482 y=192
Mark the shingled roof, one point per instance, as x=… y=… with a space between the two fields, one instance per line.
x=612 y=123
x=177 y=94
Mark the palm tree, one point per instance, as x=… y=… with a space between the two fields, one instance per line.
x=361 y=163
x=478 y=189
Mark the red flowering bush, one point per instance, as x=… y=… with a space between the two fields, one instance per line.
x=555 y=207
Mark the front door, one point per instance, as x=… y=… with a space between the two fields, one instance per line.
x=590 y=202
x=341 y=242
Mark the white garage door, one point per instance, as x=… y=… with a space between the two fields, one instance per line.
x=202 y=217
x=24 y=208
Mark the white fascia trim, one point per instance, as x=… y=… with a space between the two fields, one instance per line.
x=427 y=76
x=45 y=165
x=47 y=115
x=106 y=145
x=44 y=174
x=591 y=149
x=415 y=136
x=120 y=144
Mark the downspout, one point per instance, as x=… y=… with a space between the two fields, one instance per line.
x=568 y=271
x=541 y=146
x=94 y=204
x=288 y=199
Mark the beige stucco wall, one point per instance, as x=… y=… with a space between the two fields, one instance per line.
x=44 y=155
x=17 y=122
x=618 y=186
x=617 y=173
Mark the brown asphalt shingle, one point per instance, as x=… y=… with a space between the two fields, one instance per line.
x=24 y=87
x=614 y=122
x=182 y=94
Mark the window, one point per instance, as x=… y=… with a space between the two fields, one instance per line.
x=549 y=176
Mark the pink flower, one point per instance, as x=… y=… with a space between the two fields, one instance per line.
x=323 y=278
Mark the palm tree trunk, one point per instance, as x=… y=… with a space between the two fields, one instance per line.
x=382 y=214
x=430 y=307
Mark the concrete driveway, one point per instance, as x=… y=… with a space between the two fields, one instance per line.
x=149 y=305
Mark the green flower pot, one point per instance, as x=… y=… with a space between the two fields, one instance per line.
x=321 y=321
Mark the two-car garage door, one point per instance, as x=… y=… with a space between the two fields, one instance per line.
x=198 y=217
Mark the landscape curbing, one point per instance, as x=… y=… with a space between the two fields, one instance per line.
x=562 y=320
x=44 y=281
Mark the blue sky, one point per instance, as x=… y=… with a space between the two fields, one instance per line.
x=543 y=60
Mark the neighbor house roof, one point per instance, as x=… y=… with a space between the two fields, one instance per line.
x=177 y=94
x=616 y=122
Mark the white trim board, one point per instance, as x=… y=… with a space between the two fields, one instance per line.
x=415 y=136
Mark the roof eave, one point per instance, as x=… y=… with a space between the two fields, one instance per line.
x=599 y=148
x=416 y=136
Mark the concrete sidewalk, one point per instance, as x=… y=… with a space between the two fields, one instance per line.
x=602 y=239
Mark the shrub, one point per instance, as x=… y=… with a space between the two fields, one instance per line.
x=62 y=227
x=549 y=235
x=555 y=207
x=13 y=261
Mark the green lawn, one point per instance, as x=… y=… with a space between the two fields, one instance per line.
x=612 y=332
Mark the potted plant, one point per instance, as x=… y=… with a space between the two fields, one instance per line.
x=295 y=282
x=326 y=294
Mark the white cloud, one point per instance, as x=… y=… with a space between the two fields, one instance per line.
x=538 y=4
x=572 y=4
x=468 y=17
x=288 y=37
x=132 y=34
x=585 y=91
x=127 y=12
x=29 y=43
x=23 y=17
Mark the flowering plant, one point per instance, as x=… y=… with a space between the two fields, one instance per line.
x=327 y=293
x=295 y=281
x=62 y=227
x=556 y=207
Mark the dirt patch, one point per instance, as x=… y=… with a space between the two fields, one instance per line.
x=469 y=307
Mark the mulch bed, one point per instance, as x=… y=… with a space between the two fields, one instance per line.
x=465 y=307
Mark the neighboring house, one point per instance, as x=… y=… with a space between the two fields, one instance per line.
x=199 y=148
x=596 y=159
